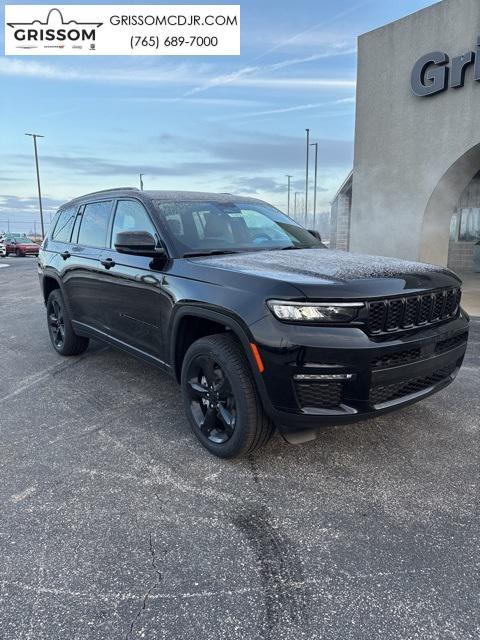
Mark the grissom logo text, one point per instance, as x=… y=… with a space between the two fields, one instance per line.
x=54 y=30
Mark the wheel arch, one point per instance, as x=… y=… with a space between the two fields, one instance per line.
x=50 y=282
x=221 y=318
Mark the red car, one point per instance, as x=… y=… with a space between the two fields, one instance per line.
x=21 y=246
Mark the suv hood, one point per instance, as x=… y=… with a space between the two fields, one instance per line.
x=319 y=272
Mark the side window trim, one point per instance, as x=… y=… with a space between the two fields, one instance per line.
x=77 y=224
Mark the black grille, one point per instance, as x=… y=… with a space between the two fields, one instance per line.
x=398 y=358
x=386 y=393
x=398 y=314
x=321 y=395
x=395 y=311
x=451 y=343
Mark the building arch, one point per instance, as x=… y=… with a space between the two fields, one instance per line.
x=434 y=241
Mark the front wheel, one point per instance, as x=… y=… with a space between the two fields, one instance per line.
x=64 y=340
x=220 y=399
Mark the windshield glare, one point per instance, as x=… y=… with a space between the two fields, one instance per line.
x=231 y=226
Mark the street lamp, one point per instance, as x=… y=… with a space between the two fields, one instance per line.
x=315 y=144
x=141 y=181
x=306 y=174
x=295 y=202
x=35 y=136
x=288 y=200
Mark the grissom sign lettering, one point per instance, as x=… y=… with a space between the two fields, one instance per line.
x=433 y=73
x=122 y=30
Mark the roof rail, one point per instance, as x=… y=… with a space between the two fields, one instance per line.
x=94 y=193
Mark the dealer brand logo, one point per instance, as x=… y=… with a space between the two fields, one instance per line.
x=54 y=33
x=433 y=73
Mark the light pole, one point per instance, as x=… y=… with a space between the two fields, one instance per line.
x=141 y=181
x=288 y=197
x=295 y=202
x=35 y=136
x=315 y=144
x=306 y=174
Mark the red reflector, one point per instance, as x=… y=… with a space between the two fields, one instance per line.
x=257 y=357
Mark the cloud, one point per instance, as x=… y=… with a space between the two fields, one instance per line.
x=264 y=184
x=320 y=25
x=178 y=75
x=254 y=155
x=18 y=203
x=300 y=107
x=243 y=76
x=208 y=102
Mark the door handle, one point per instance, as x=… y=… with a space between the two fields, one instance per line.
x=108 y=263
x=65 y=255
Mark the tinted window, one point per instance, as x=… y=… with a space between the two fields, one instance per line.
x=131 y=216
x=64 y=226
x=94 y=226
x=231 y=226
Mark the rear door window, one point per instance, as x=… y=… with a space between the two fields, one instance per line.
x=94 y=225
x=64 y=226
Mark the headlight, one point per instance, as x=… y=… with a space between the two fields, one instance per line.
x=314 y=311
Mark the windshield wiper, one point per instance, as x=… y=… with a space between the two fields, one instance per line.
x=290 y=247
x=215 y=252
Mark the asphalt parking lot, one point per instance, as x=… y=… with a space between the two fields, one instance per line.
x=115 y=523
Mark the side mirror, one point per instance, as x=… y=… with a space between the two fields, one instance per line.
x=315 y=234
x=138 y=243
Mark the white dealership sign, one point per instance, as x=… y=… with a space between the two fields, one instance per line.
x=117 y=30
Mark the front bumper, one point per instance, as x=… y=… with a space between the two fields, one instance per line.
x=383 y=373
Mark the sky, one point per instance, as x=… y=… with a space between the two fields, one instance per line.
x=231 y=123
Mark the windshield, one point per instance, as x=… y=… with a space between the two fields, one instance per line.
x=22 y=239
x=203 y=227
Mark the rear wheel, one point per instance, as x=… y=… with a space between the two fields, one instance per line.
x=64 y=340
x=220 y=399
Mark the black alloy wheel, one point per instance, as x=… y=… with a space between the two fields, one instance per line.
x=56 y=324
x=221 y=402
x=64 y=339
x=212 y=401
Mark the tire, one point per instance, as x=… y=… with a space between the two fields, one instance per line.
x=222 y=405
x=19 y=254
x=64 y=340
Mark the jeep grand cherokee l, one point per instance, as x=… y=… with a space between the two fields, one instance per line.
x=259 y=323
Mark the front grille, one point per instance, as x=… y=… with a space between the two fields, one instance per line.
x=385 y=393
x=398 y=358
x=451 y=343
x=399 y=314
x=320 y=395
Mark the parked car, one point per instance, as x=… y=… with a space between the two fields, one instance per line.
x=19 y=244
x=259 y=323
x=23 y=246
x=3 y=249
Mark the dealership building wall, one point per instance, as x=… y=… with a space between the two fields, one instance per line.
x=415 y=190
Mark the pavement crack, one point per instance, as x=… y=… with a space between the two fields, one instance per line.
x=155 y=585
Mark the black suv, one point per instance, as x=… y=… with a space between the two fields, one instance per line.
x=257 y=320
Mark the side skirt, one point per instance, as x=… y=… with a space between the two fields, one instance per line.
x=89 y=332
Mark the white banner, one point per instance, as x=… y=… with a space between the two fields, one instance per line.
x=117 y=30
